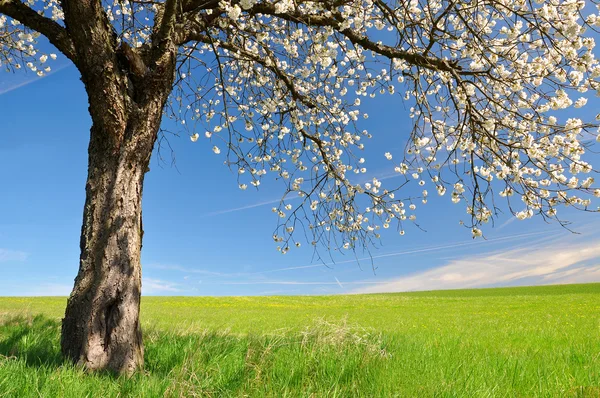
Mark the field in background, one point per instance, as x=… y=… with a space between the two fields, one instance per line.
x=529 y=341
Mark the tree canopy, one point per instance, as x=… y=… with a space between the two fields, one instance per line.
x=277 y=86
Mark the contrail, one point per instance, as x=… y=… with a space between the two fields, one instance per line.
x=338 y=282
x=296 y=283
x=268 y=202
x=507 y=222
x=407 y=252
x=386 y=176
x=36 y=78
x=402 y=253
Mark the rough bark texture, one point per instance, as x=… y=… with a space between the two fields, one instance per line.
x=101 y=328
x=127 y=90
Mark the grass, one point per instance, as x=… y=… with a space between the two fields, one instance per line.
x=513 y=342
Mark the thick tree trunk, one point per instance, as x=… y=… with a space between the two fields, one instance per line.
x=127 y=90
x=101 y=328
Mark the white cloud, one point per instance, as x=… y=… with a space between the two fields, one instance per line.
x=277 y=292
x=12 y=255
x=300 y=283
x=48 y=289
x=548 y=262
x=153 y=286
x=149 y=286
x=172 y=267
x=407 y=252
x=575 y=275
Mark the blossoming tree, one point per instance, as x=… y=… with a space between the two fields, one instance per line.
x=277 y=86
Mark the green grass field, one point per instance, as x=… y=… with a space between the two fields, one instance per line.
x=514 y=342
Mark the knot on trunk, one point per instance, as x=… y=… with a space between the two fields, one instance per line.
x=132 y=60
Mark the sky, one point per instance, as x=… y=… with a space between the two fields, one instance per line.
x=203 y=236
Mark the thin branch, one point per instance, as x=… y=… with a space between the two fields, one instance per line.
x=56 y=34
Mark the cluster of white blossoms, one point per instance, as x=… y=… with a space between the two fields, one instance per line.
x=495 y=90
x=492 y=86
x=18 y=48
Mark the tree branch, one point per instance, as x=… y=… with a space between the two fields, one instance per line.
x=196 y=5
x=94 y=38
x=56 y=34
x=165 y=25
x=335 y=21
x=192 y=8
x=193 y=27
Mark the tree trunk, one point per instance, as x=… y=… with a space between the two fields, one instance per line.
x=101 y=328
x=127 y=90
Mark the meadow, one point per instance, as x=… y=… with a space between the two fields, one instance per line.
x=505 y=342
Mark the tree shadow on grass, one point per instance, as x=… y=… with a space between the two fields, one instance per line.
x=35 y=340
x=214 y=363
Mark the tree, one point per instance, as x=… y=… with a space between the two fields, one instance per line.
x=279 y=83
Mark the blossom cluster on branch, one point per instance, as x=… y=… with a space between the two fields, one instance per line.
x=494 y=89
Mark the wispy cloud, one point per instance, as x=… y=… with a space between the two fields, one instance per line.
x=409 y=252
x=318 y=283
x=551 y=261
x=149 y=286
x=12 y=255
x=153 y=286
x=278 y=200
x=48 y=289
x=213 y=275
x=277 y=292
x=234 y=209
x=506 y=223
x=380 y=175
x=250 y=206
x=575 y=275
x=31 y=78
x=338 y=282
x=189 y=270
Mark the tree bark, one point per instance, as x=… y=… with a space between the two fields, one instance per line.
x=127 y=90
x=101 y=328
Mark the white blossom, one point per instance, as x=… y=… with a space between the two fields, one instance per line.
x=491 y=101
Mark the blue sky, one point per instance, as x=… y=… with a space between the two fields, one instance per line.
x=203 y=236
